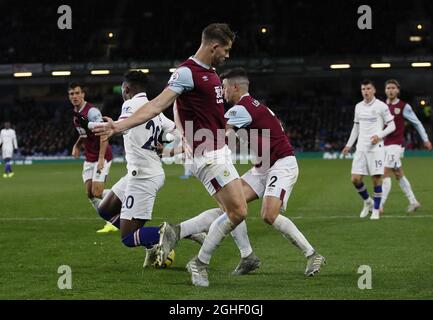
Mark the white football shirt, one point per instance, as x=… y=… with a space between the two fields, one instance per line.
x=140 y=142
x=372 y=118
x=8 y=139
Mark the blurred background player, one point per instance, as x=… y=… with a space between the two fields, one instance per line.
x=98 y=153
x=371 y=116
x=8 y=141
x=394 y=144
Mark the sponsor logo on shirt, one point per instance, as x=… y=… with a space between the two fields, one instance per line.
x=219 y=94
x=205 y=78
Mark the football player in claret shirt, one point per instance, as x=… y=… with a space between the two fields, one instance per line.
x=98 y=153
x=197 y=91
x=272 y=178
x=372 y=123
x=394 y=144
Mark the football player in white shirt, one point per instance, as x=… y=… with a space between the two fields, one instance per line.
x=371 y=117
x=129 y=204
x=8 y=141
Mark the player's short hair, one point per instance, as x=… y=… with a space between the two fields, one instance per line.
x=136 y=79
x=73 y=85
x=392 y=81
x=234 y=73
x=366 y=82
x=220 y=32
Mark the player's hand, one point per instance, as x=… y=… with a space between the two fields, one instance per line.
x=428 y=145
x=105 y=129
x=75 y=152
x=100 y=166
x=346 y=150
x=375 y=139
x=159 y=148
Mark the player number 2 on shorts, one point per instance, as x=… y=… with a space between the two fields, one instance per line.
x=273 y=180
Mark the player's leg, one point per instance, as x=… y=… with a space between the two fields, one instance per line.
x=137 y=207
x=386 y=187
x=232 y=198
x=280 y=182
x=8 y=167
x=407 y=189
x=377 y=183
x=98 y=184
x=253 y=185
x=376 y=167
x=360 y=169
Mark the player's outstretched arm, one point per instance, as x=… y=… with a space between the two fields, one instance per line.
x=146 y=112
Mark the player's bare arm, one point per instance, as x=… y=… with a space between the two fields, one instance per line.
x=101 y=158
x=76 y=149
x=142 y=115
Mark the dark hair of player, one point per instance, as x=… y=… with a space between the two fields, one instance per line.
x=234 y=73
x=74 y=85
x=220 y=32
x=366 y=82
x=137 y=80
x=392 y=81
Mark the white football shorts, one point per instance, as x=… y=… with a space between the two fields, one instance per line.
x=138 y=196
x=393 y=155
x=90 y=171
x=369 y=163
x=215 y=169
x=277 y=181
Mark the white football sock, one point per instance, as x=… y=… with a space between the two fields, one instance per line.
x=95 y=203
x=386 y=188
x=407 y=189
x=218 y=230
x=292 y=233
x=240 y=235
x=200 y=223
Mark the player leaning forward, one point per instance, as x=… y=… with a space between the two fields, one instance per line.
x=197 y=91
x=129 y=204
x=371 y=117
x=272 y=178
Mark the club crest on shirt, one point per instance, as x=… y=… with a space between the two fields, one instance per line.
x=397 y=110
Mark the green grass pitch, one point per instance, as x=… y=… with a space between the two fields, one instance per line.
x=46 y=221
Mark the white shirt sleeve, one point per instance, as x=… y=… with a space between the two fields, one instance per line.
x=127 y=110
x=356 y=116
x=94 y=115
x=1 y=134
x=386 y=114
x=410 y=115
x=238 y=116
x=181 y=81
x=353 y=135
x=167 y=124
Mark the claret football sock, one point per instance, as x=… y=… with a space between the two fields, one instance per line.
x=145 y=236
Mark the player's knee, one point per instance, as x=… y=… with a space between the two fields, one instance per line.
x=268 y=218
x=398 y=175
x=356 y=180
x=90 y=194
x=97 y=192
